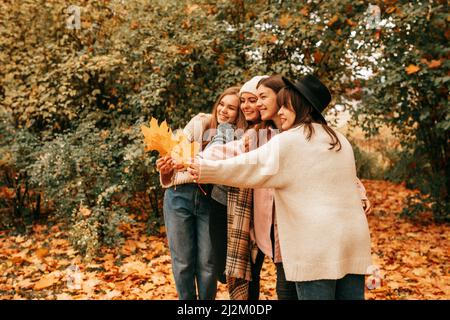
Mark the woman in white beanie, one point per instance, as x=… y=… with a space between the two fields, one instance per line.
x=252 y=232
x=231 y=233
x=238 y=268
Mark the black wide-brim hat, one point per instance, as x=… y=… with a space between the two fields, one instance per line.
x=313 y=90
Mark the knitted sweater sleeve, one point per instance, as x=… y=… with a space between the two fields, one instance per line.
x=224 y=151
x=195 y=128
x=259 y=168
x=232 y=148
x=194 y=131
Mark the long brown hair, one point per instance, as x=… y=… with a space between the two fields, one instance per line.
x=240 y=122
x=275 y=83
x=306 y=114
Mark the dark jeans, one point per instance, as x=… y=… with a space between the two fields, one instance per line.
x=285 y=289
x=253 y=286
x=186 y=215
x=218 y=234
x=350 y=287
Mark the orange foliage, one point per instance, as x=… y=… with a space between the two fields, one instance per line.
x=160 y=138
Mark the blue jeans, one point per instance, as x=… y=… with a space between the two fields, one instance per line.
x=350 y=287
x=186 y=216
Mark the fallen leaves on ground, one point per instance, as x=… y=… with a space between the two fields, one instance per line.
x=413 y=257
x=413 y=260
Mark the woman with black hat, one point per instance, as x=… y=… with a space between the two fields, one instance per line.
x=323 y=231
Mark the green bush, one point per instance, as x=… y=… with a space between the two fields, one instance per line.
x=95 y=169
x=409 y=93
x=368 y=164
x=18 y=204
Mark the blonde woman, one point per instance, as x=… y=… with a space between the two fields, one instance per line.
x=187 y=207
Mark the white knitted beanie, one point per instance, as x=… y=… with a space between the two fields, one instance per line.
x=250 y=86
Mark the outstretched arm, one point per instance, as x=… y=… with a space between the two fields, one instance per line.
x=256 y=169
x=224 y=151
x=166 y=165
x=231 y=149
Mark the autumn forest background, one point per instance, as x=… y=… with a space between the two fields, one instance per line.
x=80 y=201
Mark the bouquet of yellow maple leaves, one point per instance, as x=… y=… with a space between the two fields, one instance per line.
x=161 y=138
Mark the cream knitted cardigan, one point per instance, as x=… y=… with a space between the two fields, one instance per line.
x=322 y=227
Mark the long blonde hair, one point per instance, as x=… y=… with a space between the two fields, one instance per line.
x=241 y=123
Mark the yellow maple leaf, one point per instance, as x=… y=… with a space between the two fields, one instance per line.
x=158 y=137
x=161 y=138
x=185 y=150
x=42 y=253
x=47 y=280
x=412 y=69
